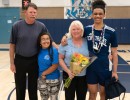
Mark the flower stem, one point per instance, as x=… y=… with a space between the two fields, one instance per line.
x=67 y=82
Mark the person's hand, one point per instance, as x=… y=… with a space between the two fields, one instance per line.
x=71 y=75
x=64 y=41
x=114 y=74
x=43 y=76
x=12 y=68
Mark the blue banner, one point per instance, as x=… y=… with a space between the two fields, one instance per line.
x=79 y=9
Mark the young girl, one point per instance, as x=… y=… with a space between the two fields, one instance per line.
x=48 y=81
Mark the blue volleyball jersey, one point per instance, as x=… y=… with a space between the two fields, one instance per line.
x=105 y=38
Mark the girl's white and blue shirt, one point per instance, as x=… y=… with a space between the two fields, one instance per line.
x=109 y=39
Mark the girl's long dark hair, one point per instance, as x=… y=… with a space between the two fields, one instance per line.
x=50 y=48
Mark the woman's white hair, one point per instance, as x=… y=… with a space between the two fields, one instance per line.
x=77 y=23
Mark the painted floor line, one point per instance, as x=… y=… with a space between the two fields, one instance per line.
x=123 y=72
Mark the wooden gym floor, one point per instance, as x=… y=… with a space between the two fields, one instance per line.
x=7 y=86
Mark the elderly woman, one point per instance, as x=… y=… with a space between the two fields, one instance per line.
x=76 y=44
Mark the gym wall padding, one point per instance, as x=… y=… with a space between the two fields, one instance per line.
x=58 y=27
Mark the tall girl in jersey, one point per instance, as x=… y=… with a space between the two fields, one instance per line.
x=48 y=81
x=100 y=37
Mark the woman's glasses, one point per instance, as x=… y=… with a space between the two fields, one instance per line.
x=45 y=39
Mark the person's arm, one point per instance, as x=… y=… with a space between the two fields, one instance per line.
x=65 y=68
x=11 y=54
x=115 y=62
x=55 y=45
x=50 y=69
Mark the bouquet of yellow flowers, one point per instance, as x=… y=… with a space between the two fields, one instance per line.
x=78 y=63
